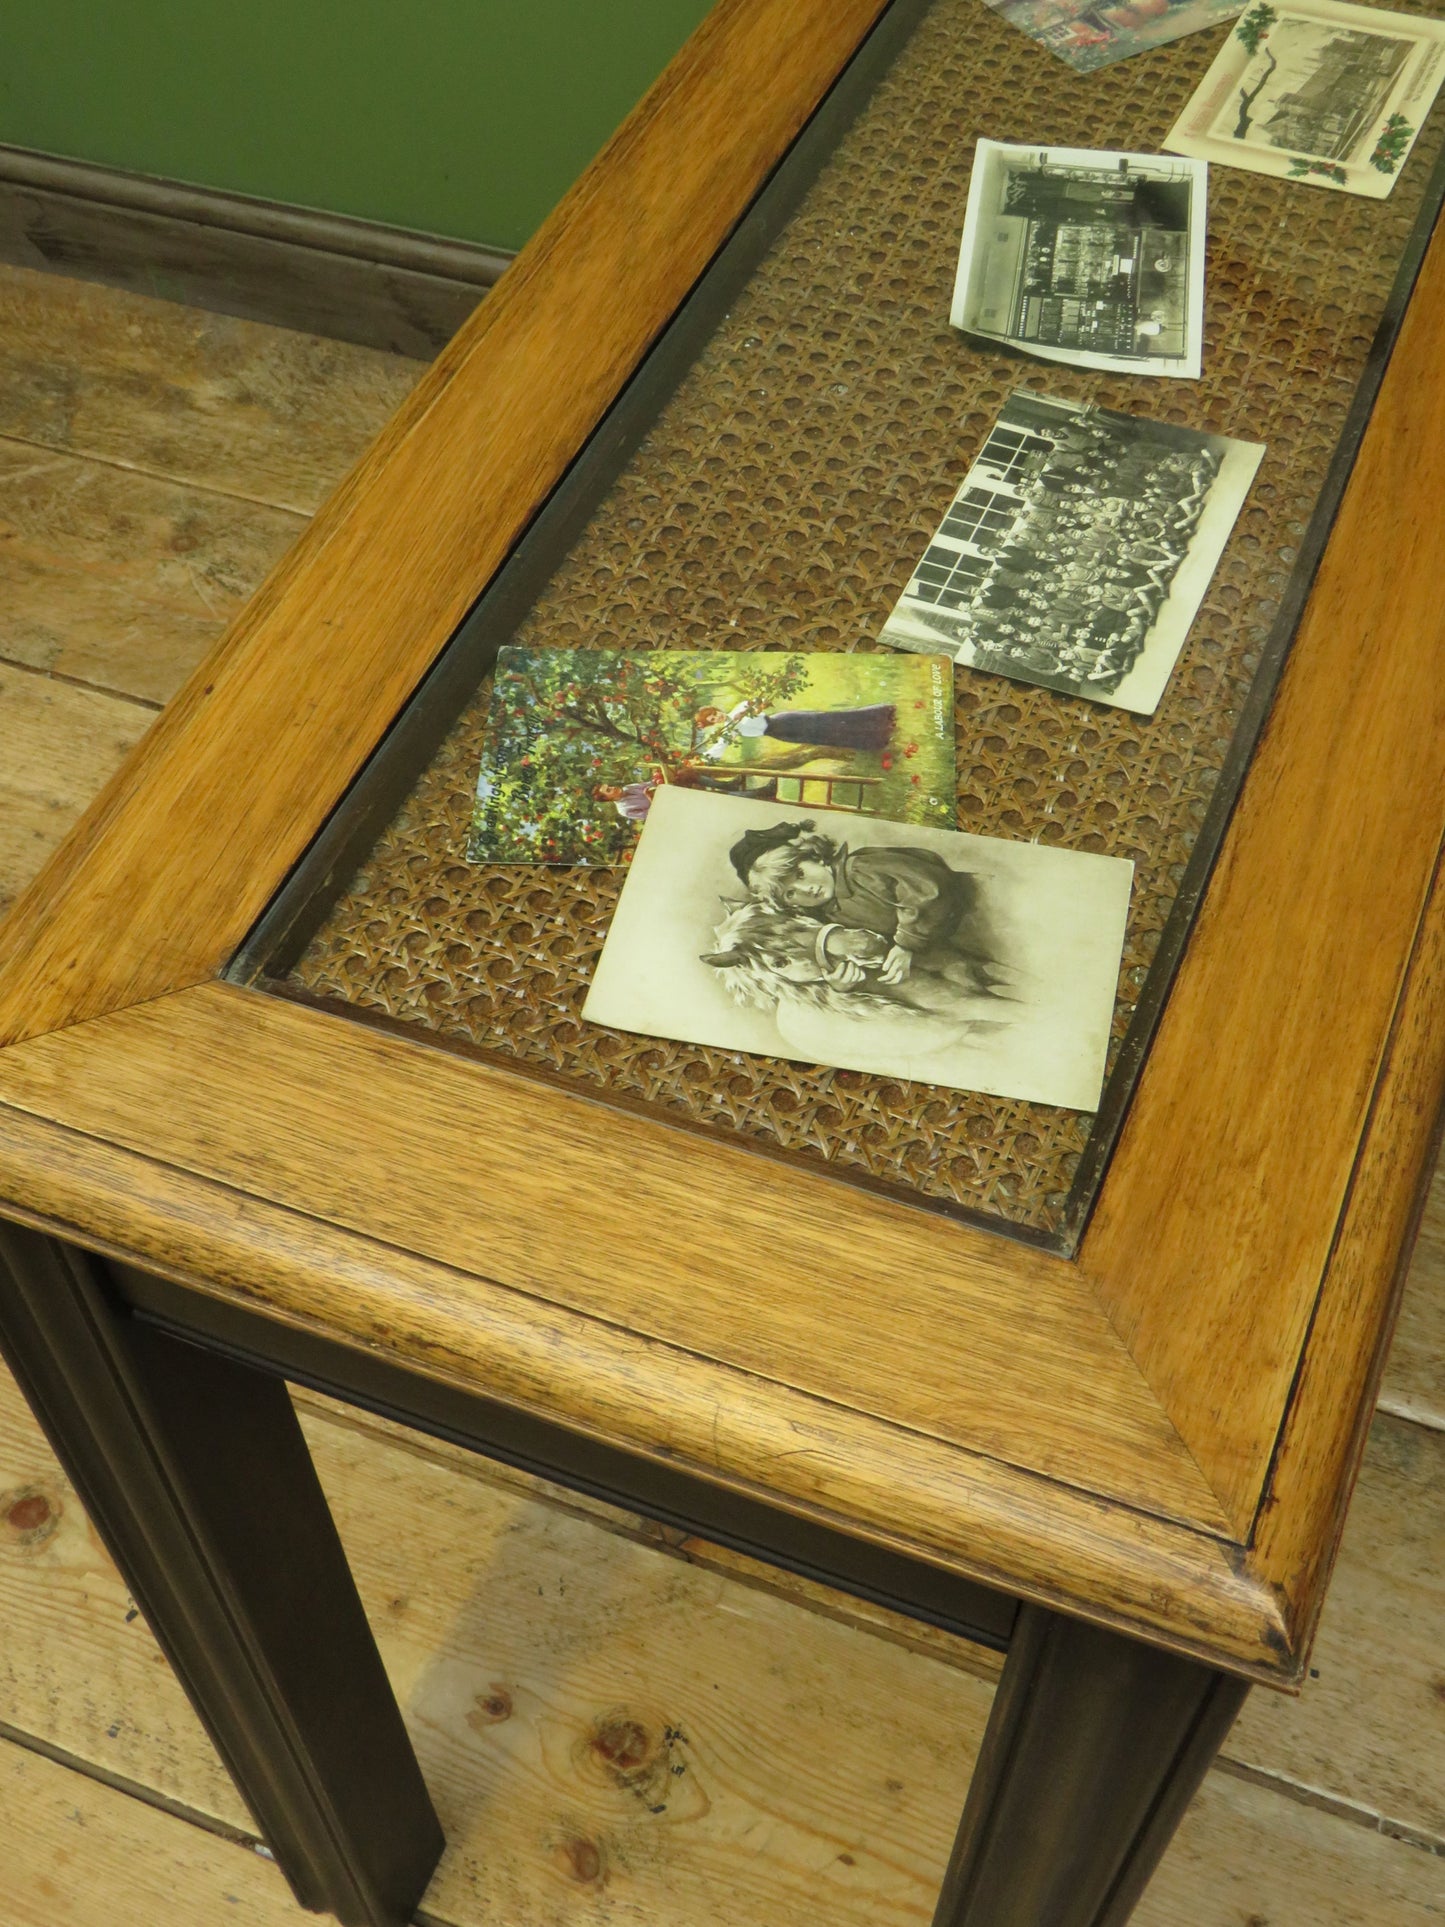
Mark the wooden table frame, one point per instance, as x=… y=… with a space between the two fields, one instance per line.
x=1150 y=1444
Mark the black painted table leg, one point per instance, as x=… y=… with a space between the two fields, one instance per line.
x=1095 y=1747
x=197 y=1476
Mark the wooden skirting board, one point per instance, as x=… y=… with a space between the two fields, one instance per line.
x=328 y=274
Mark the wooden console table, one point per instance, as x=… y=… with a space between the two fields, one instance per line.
x=289 y=1090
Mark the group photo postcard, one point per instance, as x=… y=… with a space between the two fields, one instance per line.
x=1077 y=550
x=1090 y=257
x=1317 y=91
x=964 y=961
x=579 y=743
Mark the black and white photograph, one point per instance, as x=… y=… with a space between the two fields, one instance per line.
x=1077 y=550
x=964 y=961
x=1091 y=257
x=1315 y=91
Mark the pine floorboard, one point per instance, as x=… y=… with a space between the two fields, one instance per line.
x=1245 y=1857
x=122 y=580
x=79 y=1854
x=153 y=464
x=234 y=406
x=1368 y=1732
x=557 y=1673
x=595 y=1718
x=1414 y=1385
x=59 y=742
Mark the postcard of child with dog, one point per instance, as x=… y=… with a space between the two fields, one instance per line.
x=891 y=948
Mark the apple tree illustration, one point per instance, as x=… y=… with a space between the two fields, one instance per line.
x=565 y=721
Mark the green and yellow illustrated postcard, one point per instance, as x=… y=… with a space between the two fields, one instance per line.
x=579 y=741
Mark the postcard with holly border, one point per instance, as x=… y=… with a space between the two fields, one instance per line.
x=1316 y=91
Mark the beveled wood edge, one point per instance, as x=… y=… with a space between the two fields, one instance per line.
x=349 y=509
x=1323 y=1437
x=610 y=1224
x=325 y=653
x=1011 y=1530
x=1283 y=1004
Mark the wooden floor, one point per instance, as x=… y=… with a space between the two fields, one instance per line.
x=617 y=1728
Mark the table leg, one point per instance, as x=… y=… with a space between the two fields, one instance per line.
x=197 y=1476
x=1095 y=1747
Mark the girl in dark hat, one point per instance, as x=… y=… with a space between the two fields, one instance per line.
x=869 y=727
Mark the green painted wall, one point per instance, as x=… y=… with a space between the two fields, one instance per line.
x=462 y=117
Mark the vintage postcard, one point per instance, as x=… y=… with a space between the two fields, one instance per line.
x=1090 y=257
x=579 y=742
x=966 y=961
x=1317 y=91
x=1077 y=550
x=1090 y=33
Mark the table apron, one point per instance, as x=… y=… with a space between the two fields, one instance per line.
x=667 y=1494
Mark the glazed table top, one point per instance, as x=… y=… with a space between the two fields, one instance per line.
x=379 y=1117
x=781 y=496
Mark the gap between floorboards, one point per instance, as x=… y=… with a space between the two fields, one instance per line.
x=300 y=509
x=80 y=682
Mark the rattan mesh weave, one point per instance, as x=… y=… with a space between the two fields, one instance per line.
x=781 y=499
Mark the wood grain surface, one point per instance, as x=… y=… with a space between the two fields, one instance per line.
x=151 y=386
x=600 y=1725
x=1274 y=1028
x=1414 y=1382
x=293 y=268
x=1246 y=1858
x=79 y=1670
x=380 y=580
x=980 y=1344
x=1324 y=1427
x=863 y=1614
x=61 y=744
x=79 y=1854
x=978 y=1515
x=115 y=582
x=120 y=580
x=924 y=1384
x=589 y=1709
x=1368 y=1730
x=521 y=1635
x=291 y=1140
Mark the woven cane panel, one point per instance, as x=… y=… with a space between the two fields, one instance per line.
x=782 y=498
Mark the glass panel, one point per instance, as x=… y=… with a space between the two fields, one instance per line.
x=795 y=469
